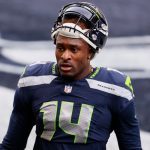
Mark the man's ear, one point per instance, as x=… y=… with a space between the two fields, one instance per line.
x=91 y=53
x=89 y=57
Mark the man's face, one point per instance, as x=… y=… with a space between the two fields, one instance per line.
x=72 y=57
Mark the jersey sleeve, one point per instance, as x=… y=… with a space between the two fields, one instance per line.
x=126 y=125
x=20 y=124
x=22 y=119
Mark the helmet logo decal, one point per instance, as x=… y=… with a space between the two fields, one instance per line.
x=94 y=37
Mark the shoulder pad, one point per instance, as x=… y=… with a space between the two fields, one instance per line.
x=112 y=82
x=37 y=74
x=120 y=79
x=37 y=69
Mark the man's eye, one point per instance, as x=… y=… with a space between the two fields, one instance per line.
x=61 y=49
x=74 y=50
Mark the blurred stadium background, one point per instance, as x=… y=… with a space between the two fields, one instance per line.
x=25 y=38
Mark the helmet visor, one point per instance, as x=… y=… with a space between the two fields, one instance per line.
x=84 y=13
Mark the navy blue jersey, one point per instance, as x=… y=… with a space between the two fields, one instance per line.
x=72 y=115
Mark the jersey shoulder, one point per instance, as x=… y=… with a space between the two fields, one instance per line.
x=115 y=77
x=38 y=73
x=39 y=69
x=120 y=79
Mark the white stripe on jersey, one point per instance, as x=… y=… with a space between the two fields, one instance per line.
x=102 y=86
x=35 y=80
x=110 y=88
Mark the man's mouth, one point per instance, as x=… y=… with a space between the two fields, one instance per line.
x=65 y=67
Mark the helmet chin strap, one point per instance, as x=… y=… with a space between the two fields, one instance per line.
x=72 y=30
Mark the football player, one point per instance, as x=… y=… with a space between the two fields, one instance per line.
x=74 y=106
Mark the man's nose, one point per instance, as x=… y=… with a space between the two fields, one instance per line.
x=66 y=55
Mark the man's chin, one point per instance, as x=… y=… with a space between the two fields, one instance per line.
x=67 y=76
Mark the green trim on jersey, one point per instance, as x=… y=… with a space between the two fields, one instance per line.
x=54 y=68
x=128 y=83
x=95 y=72
x=24 y=70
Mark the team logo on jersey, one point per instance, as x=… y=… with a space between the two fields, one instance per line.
x=68 y=89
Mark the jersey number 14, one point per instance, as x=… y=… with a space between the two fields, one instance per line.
x=79 y=130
